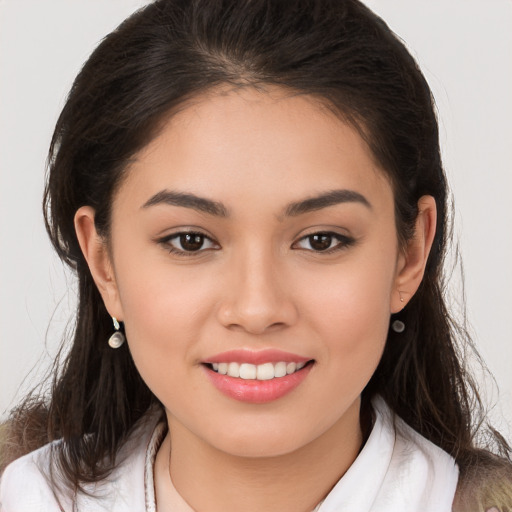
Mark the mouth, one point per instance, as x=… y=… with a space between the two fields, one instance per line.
x=261 y=372
x=257 y=378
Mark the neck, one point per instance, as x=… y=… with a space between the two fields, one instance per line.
x=249 y=484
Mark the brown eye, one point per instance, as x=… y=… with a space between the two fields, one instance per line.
x=324 y=242
x=191 y=241
x=188 y=242
x=320 y=241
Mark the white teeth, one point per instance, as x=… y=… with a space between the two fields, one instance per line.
x=234 y=370
x=247 y=371
x=280 y=370
x=290 y=368
x=266 y=371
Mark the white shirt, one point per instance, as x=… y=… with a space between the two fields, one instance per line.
x=397 y=470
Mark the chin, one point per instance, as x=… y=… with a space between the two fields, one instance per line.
x=273 y=441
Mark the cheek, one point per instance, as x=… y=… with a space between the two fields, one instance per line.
x=164 y=312
x=353 y=298
x=160 y=296
x=350 y=310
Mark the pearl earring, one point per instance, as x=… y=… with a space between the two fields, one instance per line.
x=117 y=339
x=398 y=326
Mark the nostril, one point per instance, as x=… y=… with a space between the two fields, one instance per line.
x=254 y=318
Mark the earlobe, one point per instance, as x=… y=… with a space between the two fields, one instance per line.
x=413 y=260
x=98 y=259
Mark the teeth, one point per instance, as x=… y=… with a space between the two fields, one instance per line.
x=280 y=370
x=247 y=371
x=266 y=371
x=234 y=370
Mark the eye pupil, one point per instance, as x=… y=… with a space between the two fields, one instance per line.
x=191 y=241
x=320 y=242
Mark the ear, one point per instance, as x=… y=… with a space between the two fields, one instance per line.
x=413 y=259
x=95 y=250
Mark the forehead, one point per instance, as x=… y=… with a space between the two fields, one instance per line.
x=248 y=143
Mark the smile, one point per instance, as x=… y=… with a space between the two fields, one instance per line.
x=266 y=371
x=257 y=377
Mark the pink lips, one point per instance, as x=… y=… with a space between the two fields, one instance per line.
x=252 y=390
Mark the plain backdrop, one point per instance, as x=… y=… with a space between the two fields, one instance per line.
x=464 y=48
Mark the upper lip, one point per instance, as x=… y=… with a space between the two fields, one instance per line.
x=256 y=357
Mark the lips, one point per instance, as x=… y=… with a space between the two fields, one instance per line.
x=257 y=377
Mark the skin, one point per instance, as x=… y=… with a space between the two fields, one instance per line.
x=256 y=283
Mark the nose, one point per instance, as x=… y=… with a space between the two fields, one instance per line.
x=256 y=298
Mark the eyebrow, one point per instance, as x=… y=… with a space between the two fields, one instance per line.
x=202 y=204
x=187 y=200
x=331 y=198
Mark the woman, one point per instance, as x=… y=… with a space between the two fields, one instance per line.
x=252 y=196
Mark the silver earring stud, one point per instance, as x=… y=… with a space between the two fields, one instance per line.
x=398 y=326
x=117 y=339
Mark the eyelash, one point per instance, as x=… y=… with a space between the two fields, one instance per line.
x=343 y=242
x=167 y=242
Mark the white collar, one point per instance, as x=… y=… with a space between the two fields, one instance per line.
x=398 y=470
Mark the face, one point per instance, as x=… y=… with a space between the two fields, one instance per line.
x=255 y=236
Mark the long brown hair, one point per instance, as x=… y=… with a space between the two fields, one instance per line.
x=172 y=50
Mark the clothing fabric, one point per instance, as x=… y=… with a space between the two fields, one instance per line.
x=397 y=470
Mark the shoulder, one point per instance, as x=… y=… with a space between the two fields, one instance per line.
x=410 y=445
x=26 y=484
x=485 y=484
x=482 y=481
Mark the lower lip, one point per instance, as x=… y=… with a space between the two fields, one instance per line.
x=257 y=391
